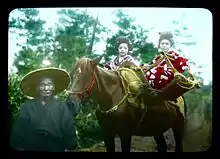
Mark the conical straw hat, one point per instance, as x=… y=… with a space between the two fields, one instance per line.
x=60 y=77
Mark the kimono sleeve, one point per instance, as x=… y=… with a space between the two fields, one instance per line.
x=131 y=59
x=68 y=128
x=19 y=131
x=108 y=65
x=180 y=62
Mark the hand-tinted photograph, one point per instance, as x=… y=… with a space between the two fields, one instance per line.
x=110 y=79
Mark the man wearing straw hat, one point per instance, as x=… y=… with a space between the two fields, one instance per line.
x=44 y=123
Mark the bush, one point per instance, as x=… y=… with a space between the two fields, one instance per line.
x=87 y=125
x=15 y=96
x=199 y=117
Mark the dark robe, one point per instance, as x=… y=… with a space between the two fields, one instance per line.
x=45 y=128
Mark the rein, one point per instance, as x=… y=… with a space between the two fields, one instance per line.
x=87 y=91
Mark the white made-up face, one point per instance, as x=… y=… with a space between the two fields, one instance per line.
x=165 y=45
x=45 y=87
x=123 y=49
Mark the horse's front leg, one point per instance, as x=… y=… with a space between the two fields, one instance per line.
x=109 y=143
x=109 y=138
x=108 y=131
x=161 y=143
x=125 y=143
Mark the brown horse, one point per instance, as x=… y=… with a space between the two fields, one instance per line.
x=116 y=116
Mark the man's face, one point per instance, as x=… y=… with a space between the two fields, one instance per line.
x=46 y=87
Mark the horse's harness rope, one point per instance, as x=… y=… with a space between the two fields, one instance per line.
x=85 y=94
x=120 y=102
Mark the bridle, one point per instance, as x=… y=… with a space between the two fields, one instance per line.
x=86 y=91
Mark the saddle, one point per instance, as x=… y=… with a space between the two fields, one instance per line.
x=141 y=95
x=134 y=84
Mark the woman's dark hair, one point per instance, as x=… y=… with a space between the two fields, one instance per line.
x=125 y=40
x=166 y=35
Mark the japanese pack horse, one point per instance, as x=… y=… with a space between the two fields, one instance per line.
x=116 y=116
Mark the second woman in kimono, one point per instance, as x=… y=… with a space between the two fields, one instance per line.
x=123 y=46
x=160 y=75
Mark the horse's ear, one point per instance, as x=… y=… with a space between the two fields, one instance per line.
x=96 y=60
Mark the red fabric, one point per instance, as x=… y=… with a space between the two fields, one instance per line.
x=154 y=75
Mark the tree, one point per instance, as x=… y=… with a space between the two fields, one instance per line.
x=37 y=41
x=27 y=60
x=75 y=37
x=28 y=24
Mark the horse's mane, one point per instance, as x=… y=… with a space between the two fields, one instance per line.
x=107 y=72
x=84 y=63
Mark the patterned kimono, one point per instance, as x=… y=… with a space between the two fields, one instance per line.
x=161 y=75
x=114 y=64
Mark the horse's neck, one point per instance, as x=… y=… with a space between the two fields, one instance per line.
x=109 y=89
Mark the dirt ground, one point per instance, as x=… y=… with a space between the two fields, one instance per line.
x=139 y=144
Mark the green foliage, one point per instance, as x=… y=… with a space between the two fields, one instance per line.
x=147 y=52
x=142 y=51
x=87 y=124
x=27 y=60
x=36 y=47
x=200 y=98
x=123 y=21
x=15 y=97
x=69 y=48
x=31 y=26
x=199 y=118
x=74 y=37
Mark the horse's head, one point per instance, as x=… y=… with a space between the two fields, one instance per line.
x=83 y=78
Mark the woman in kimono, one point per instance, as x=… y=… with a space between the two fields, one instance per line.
x=44 y=122
x=161 y=75
x=123 y=46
